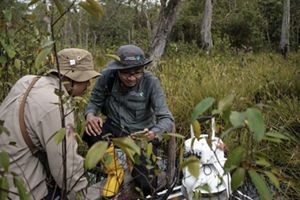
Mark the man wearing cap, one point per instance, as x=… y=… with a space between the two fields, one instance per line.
x=42 y=118
x=132 y=100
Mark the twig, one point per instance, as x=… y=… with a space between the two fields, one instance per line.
x=65 y=12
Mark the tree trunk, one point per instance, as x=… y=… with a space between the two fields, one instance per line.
x=165 y=23
x=206 y=39
x=285 y=29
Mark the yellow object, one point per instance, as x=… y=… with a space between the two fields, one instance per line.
x=115 y=174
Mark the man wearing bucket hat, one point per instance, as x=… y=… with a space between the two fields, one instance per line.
x=31 y=114
x=132 y=100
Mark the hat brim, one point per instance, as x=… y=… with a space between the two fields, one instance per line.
x=118 y=65
x=78 y=76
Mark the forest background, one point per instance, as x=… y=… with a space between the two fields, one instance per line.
x=247 y=49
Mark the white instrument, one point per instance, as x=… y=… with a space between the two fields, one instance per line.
x=212 y=178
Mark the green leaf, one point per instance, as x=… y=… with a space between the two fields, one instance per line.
x=59 y=135
x=237 y=119
x=262 y=162
x=8 y=49
x=19 y=183
x=270 y=139
x=192 y=163
x=202 y=107
x=260 y=185
x=197 y=128
x=278 y=135
x=3 y=60
x=4 y=160
x=93 y=8
x=225 y=103
x=174 y=135
x=115 y=57
x=95 y=154
x=33 y=2
x=47 y=43
x=59 y=6
x=273 y=179
x=58 y=92
x=7 y=15
x=127 y=145
x=4 y=185
x=237 y=178
x=17 y=63
x=149 y=150
x=235 y=157
x=256 y=123
x=42 y=56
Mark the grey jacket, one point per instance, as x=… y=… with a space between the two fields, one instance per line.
x=143 y=106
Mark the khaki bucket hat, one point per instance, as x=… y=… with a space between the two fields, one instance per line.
x=76 y=64
x=130 y=56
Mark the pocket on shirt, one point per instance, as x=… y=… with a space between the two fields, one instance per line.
x=137 y=109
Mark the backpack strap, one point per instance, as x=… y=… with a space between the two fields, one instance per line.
x=24 y=132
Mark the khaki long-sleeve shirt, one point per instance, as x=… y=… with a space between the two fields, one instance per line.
x=42 y=119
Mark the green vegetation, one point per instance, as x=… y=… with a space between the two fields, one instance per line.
x=265 y=81
x=243 y=63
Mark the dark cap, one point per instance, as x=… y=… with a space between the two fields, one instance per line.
x=130 y=56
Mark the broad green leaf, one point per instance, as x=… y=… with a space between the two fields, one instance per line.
x=202 y=107
x=262 y=162
x=3 y=60
x=95 y=154
x=17 y=63
x=256 y=123
x=237 y=178
x=127 y=144
x=197 y=128
x=225 y=103
x=42 y=56
x=47 y=44
x=237 y=119
x=59 y=135
x=19 y=183
x=149 y=150
x=260 y=185
x=273 y=179
x=7 y=15
x=115 y=57
x=33 y=2
x=58 y=92
x=4 y=185
x=235 y=157
x=10 y=52
x=93 y=8
x=9 y=49
x=193 y=165
x=59 y=6
x=4 y=160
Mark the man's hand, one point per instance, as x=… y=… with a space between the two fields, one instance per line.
x=150 y=135
x=93 y=125
x=145 y=134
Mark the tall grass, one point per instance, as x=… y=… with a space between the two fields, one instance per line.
x=264 y=80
